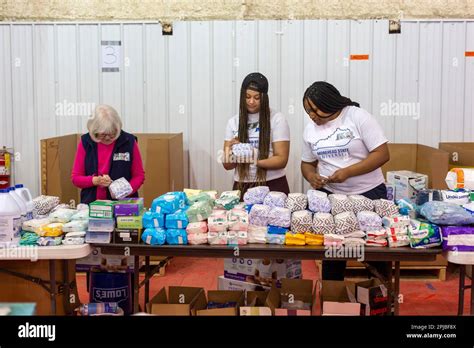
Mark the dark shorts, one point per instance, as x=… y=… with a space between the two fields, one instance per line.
x=280 y=185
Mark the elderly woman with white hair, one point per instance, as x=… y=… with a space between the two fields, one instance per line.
x=105 y=154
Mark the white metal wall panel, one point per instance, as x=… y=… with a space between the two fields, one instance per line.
x=190 y=82
x=406 y=83
x=429 y=83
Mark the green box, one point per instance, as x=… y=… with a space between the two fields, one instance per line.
x=101 y=209
x=130 y=222
x=471 y=196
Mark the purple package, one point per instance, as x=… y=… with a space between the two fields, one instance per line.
x=129 y=207
x=458 y=238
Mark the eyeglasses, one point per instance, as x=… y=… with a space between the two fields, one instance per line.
x=105 y=135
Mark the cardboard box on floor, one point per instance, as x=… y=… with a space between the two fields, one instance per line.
x=223 y=296
x=291 y=290
x=162 y=156
x=337 y=298
x=420 y=159
x=460 y=154
x=181 y=300
x=256 y=304
x=373 y=297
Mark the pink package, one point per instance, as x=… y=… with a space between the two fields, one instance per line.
x=217 y=238
x=238 y=220
x=197 y=238
x=238 y=237
x=197 y=227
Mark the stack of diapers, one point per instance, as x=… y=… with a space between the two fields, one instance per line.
x=176 y=236
x=296 y=201
x=244 y=150
x=75 y=226
x=153 y=220
x=228 y=200
x=295 y=239
x=340 y=204
x=217 y=238
x=199 y=211
x=154 y=236
x=275 y=199
x=259 y=215
x=397 y=230
x=169 y=203
x=369 y=221
x=74 y=238
x=197 y=232
x=356 y=238
x=346 y=222
x=318 y=201
x=200 y=197
x=120 y=188
x=197 y=238
x=376 y=238
x=35 y=225
x=217 y=222
x=396 y=221
x=237 y=238
x=256 y=195
x=361 y=203
x=314 y=239
x=323 y=223
x=280 y=217
x=257 y=234
x=62 y=215
x=82 y=215
x=302 y=221
x=238 y=220
x=177 y=220
x=333 y=240
x=384 y=207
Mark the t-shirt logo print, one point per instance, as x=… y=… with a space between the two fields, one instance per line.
x=125 y=156
x=335 y=145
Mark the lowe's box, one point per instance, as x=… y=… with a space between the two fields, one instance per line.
x=407 y=183
x=263 y=272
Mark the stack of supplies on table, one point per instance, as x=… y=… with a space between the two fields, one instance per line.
x=101 y=222
x=129 y=215
x=397 y=230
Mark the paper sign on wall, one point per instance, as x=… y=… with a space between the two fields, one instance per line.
x=111 y=55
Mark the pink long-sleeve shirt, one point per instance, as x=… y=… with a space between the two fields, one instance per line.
x=104 y=154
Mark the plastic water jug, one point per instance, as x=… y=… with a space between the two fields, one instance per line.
x=25 y=194
x=10 y=219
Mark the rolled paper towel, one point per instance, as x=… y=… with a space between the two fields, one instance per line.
x=295 y=239
x=256 y=195
x=368 y=220
x=346 y=222
x=323 y=223
x=257 y=234
x=318 y=201
x=361 y=203
x=197 y=228
x=275 y=199
x=302 y=221
x=279 y=217
x=333 y=240
x=384 y=207
x=238 y=220
x=340 y=204
x=275 y=239
x=197 y=238
x=314 y=239
x=259 y=215
x=217 y=238
x=396 y=221
x=296 y=201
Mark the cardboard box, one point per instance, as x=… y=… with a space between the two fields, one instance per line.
x=373 y=296
x=162 y=156
x=103 y=209
x=256 y=304
x=109 y=262
x=181 y=300
x=460 y=154
x=420 y=159
x=224 y=283
x=261 y=271
x=130 y=207
x=407 y=183
x=222 y=296
x=291 y=293
x=127 y=236
x=338 y=298
x=101 y=225
x=99 y=237
x=130 y=222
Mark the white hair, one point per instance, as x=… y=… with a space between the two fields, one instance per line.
x=105 y=119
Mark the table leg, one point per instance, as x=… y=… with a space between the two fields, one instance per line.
x=472 y=296
x=136 y=285
x=147 y=282
x=462 y=276
x=397 y=288
x=52 y=281
x=389 y=283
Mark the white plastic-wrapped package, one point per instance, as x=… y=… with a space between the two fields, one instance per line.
x=275 y=199
x=368 y=220
x=197 y=238
x=257 y=234
x=237 y=238
x=74 y=238
x=340 y=204
x=361 y=203
x=280 y=217
x=62 y=215
x=323 y=223
x=75 y=226
x=302 y=221
x=238 y=219
x=278 y=239
x=334 y=240
x=259 y=215
x=318 y=201
x=296 y=201
x=196 y=228
x=396 y=221
x=35 y=225
x=256 y=195
x=217 y=238
x=217 y=222
x=120 y=188
x=346 y=222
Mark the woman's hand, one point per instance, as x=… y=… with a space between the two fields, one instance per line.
x=103 y=180
x=340 y=176
x=317 y=181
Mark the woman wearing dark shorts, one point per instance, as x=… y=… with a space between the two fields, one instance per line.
x=267 y=131
x=344 y=149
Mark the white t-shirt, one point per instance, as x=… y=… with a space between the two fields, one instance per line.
x=280 y=131
x=343 y=142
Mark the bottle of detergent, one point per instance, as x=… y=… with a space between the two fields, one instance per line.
x=20 y=203
x=10 y=220
x=25 y=195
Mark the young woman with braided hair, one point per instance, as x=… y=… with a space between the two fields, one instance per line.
x=266 y=130
x=344 y=149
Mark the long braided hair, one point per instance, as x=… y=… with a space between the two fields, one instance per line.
x=327 y=98
x=264 y=134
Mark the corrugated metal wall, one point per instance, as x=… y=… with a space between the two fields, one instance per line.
x=189 y=82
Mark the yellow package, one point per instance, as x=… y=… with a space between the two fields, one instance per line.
x=314 y=239
x=52 y=230
x=295 y=239
x=191 y=192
